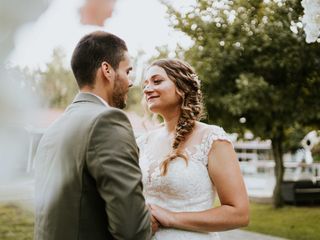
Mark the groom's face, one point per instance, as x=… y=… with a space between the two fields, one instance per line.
x=122 y=83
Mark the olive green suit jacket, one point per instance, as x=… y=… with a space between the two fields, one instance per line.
x=88 y=180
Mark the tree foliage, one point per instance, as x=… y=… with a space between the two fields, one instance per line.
x=55 y=85
x=255 y=64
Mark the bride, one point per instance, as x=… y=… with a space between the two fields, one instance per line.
x=185 y=163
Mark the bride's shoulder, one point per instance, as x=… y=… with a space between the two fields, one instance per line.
x=209 y=128
x=211 y=133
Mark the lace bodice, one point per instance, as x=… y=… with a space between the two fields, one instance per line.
x=185 y=187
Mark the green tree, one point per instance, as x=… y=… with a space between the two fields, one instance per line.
x=57 y=83
x=255 y=64
x=55 y=86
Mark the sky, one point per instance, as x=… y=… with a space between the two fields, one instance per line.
x=141 y=23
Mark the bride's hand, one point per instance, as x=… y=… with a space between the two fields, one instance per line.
x=163 y=216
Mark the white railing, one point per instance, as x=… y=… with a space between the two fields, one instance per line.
x=293 y=170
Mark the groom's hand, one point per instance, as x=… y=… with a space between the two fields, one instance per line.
x=164 y=217
x=154 y=222
x=154 y=225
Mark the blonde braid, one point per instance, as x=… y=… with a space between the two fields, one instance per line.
x=188 y=86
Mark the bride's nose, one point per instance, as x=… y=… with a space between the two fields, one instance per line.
x=147 y=89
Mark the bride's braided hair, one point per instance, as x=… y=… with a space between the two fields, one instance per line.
x=188 y=87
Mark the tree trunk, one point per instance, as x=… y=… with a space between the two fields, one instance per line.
x=279 y=169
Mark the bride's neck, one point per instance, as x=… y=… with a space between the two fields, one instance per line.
x=170 y=122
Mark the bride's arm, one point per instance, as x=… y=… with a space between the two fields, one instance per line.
x=224 y=170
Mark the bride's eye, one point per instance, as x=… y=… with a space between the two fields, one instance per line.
x=157 y=81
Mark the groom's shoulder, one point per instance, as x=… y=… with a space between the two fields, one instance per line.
x=111 y=117
x=113 y=113
x=95 y=111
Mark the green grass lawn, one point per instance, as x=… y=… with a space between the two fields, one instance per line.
x=15 y=223
x=294 y=223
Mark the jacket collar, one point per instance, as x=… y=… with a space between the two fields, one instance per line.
x=88 y=97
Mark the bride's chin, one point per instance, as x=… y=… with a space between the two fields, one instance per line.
x=153 y=109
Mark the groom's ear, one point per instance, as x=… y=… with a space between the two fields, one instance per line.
x=107 y=70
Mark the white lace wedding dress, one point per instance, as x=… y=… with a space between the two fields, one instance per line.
x=185 y=188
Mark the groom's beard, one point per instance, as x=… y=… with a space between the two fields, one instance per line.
x=119 y=94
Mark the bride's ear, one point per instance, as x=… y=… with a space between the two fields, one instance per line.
x=107 y=71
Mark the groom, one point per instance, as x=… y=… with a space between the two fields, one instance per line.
x=88 y=181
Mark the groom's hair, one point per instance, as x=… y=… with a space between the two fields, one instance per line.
x=91 y=51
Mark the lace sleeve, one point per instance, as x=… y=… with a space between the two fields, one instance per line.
x=215 y=133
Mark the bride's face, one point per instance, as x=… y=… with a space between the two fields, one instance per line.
x=160 y=92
